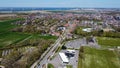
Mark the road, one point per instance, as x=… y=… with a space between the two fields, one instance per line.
x=50 y=51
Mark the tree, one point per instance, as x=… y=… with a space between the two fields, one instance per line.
x=64 y=47
x=10 y=59
x=81 y=52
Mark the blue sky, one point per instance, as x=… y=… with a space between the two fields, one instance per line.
x=61 y=3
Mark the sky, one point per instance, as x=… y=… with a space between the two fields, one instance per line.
x=61 y=3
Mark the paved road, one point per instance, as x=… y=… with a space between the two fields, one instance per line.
x=75 y=43
x=51 y=51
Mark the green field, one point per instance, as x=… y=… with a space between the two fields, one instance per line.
x=36 y=36
x=50 y=66
x=69 y=66
x=104 y=41
x=10 y=38
x=7 y=26
x=6 y=36
x=94 y=58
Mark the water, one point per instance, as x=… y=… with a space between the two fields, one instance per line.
x=30 y=9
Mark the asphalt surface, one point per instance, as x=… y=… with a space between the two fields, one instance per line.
x=57 y=62
x=94 y=44
x=70 y=44
x=45 y=59
x=51 y=51
x=75 y=44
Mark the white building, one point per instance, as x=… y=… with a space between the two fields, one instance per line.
x=64 y=58
x=70 y=51
x=87 y=29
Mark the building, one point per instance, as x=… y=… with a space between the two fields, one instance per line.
x=64 y=58
x=108 y=29
x=87 y=30
x=70 y=53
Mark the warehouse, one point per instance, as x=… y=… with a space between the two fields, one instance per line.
x=64 y=58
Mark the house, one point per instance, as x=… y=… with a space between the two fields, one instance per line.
x=87 y=29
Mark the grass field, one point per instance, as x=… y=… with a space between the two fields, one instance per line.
x=47 y=37
x=94 y=58
x=10 y=38
x=50 y=66
x=104 y=41
x=6 y=36
x=6 y=25
x=69 y=66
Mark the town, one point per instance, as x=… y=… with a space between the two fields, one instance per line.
x=75 y=38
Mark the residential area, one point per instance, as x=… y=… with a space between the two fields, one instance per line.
x=71 y=38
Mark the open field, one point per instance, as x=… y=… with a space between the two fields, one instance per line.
x=10 y=38
x=6 y=36
x=4 y=17
x=46 y=37
x=93 y=58
x=104 y=41
x=6 y=25
x=7 y=15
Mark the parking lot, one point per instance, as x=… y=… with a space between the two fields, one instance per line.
x=57 y=62
x=75 y=44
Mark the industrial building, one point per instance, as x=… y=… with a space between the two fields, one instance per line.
x=63 y=58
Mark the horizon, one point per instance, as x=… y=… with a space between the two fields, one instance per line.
x=70 y=7
x=62 y=3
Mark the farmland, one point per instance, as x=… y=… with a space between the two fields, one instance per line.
x=104 y=41
x=93 y=58
x=17 y=42
x=7 y=37
x=46 y=37
x=10 y=38
x=7 y=25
